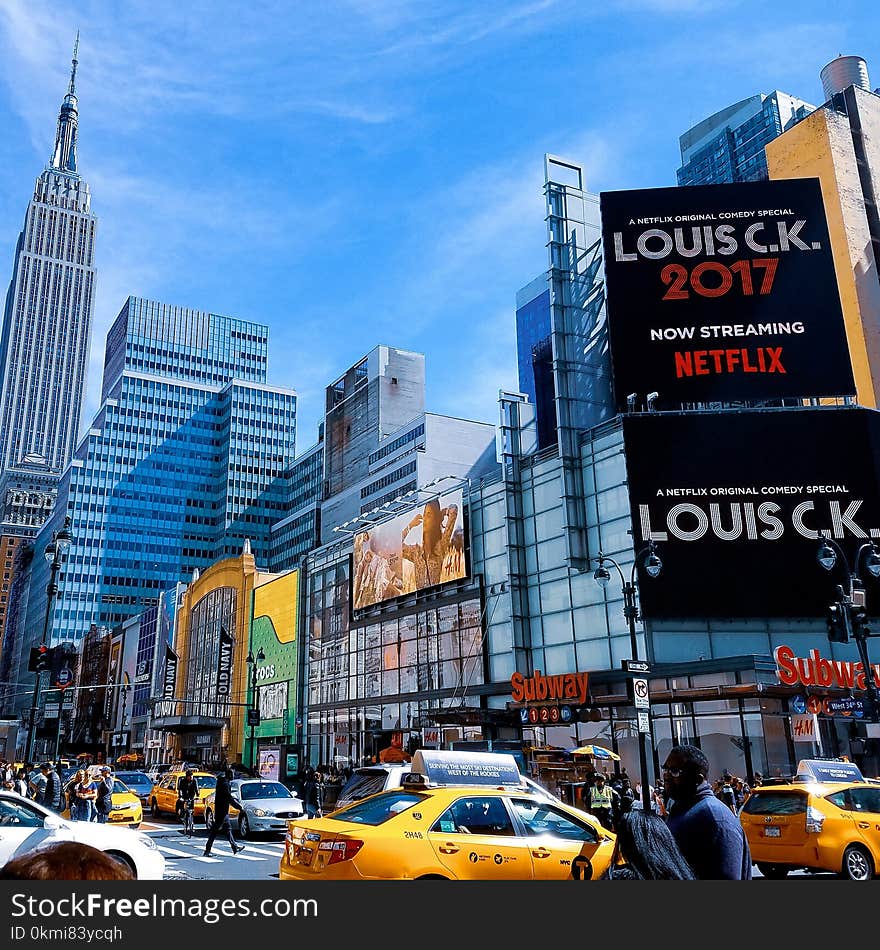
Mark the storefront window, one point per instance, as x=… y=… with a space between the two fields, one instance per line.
x=722 y=742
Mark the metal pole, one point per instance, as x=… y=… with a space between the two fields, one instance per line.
x=51 y=589
x=253 y=706
x=629 y=608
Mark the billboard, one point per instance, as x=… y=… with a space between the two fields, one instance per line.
x=273 y=630
x=736 y=501
x=723 y=293
x=423 y=547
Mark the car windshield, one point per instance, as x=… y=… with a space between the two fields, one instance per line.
x=363 y=783
x=206 y=781
x=119 y=788
x=379 y=808
x=775 y=803
x=252 y=790
x=134 y=778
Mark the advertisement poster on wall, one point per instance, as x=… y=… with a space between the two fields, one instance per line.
x=273 y=635
x=269 y=764
x=421 y=548
x=736 y=502
x=723 y=292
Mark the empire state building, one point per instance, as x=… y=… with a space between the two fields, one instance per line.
x=46 y=329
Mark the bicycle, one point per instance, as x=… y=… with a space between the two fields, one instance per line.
x=186 y=816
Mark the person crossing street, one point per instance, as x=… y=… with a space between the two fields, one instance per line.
x=223 y=798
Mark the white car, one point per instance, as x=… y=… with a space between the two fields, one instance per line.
x=25 y=825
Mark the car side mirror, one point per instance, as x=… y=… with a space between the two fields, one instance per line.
x=52 y=822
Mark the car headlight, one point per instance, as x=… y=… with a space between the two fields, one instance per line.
x=261 y=812
x=148 y=843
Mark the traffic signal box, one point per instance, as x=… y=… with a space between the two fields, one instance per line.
x=39 y=659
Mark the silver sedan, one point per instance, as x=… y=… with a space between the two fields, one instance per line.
x=266 y=806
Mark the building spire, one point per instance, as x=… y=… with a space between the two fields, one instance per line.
x=71 y=89
x=64 y=155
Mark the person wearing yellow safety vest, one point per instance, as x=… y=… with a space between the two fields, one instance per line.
x=602 y=802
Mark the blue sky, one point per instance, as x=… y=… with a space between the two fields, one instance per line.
x=354 y=172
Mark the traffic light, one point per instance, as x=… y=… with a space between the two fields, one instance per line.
x=836 y=621
x=859 y=619
x=39 y=660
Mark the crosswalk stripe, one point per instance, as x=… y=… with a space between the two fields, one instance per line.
x=228 y=854
x=263 y=850
x=206 y=860
x=173 y=852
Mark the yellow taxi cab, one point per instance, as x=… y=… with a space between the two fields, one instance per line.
x=827 y=819
x=164 y=798
x=457 y=816
x=126 y=808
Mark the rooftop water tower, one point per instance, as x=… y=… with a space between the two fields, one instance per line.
x=842 y=72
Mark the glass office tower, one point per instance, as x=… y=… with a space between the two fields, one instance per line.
x=729 y=145
x=184 y=461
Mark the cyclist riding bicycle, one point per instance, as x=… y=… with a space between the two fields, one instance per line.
x=187 y=789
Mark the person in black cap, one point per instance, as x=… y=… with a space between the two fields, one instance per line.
x=223 y=798
x=104 y=801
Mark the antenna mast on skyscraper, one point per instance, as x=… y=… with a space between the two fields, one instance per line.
x=71 y=91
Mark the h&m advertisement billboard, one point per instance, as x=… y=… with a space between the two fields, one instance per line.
x=723 y=293
x=736 y=503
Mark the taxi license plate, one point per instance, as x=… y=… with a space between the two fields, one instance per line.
x=772 y=832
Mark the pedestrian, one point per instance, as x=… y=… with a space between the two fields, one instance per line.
x=20 y=784
x=85 y=793
x=223 y=798
x=53 y=792
x=646 y=851
x=708 y=833
x=65 y=861
x=36 y=784
x=104 y=796
x=602 y=802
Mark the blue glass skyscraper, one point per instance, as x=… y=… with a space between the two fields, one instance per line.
x=184 y=460
x=729 y=145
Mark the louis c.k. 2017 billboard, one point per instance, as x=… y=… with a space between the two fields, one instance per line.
x=723 y=292
x=736 y=503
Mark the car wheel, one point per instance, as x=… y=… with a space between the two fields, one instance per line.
x=857 y=863
x=209 y=819
x=125 y=860
x=776 y=872
x=431 y=877
x=155 y=809
x=244 y=826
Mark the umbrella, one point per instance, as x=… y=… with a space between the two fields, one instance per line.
x=597 y=751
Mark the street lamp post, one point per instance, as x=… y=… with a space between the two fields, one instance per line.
x=652 y=565
x=252 y=663
x=54 y=553
x=847 y=614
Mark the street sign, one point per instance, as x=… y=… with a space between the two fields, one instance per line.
x=640 y=693
x=644 y=721
x=637 y=666
x=64 y=678
x=50 y=710
x=798 y=704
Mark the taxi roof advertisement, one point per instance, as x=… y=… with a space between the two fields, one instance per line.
x=723 y=292
x=743 y=496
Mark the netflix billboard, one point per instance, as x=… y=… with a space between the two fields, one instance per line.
x=736 y=502
x=723 y=293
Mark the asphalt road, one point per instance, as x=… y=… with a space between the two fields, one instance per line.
x=184 y=857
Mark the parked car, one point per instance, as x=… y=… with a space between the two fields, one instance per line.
x=25 y=825
x=476 y=822
x=266 y=806
x=126 y=806
x=164 y=798
x=138 y=782
x=820 y=826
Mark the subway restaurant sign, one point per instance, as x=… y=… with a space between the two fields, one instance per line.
x=815 y=670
